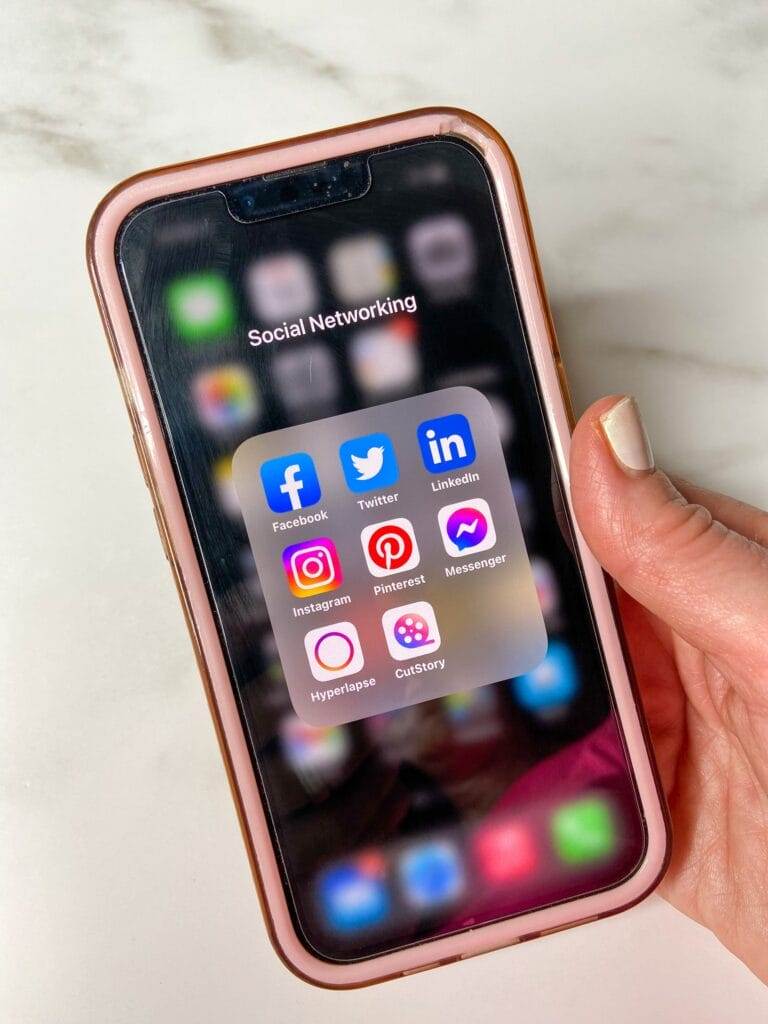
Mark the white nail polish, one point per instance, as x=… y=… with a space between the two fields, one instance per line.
x=623 y=428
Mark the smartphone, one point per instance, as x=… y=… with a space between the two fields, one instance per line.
x=351 y=414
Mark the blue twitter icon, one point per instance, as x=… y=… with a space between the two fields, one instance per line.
x=369 y=462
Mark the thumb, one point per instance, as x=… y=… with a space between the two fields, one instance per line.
x=707 y=582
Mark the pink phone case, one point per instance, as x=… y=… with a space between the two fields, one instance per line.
x=172 y=523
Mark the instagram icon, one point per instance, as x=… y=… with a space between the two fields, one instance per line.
x=312 y=567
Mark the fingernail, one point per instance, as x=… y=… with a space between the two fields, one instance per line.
x=623 y=429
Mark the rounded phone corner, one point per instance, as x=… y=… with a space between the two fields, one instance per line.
x=645 y=877
x=119 y=198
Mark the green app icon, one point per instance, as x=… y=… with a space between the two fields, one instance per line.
x=583 y=831
x=201 y=306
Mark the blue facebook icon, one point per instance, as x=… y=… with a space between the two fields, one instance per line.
x=290 y=482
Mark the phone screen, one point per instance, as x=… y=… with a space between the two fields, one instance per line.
x=355 y=426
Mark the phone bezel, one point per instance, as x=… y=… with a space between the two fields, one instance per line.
x=159 y=473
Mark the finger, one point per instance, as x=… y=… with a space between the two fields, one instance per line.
x=747 y=520
x=708 y=583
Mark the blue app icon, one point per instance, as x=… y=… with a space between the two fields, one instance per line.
x=369 y=462
x=290 y=482
x=431 y=874
x=553 y=682
x=355 y=895
x=446 y=443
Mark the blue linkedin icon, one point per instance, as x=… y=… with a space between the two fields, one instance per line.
x=446 y=443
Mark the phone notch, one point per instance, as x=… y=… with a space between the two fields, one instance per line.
x=298 y=189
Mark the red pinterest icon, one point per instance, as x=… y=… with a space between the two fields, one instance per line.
x=390 y=547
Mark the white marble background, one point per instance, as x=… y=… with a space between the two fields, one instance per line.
x=641 y=131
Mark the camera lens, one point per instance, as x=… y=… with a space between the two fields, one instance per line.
x=248 y=202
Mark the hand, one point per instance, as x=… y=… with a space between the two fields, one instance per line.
x=692 y=566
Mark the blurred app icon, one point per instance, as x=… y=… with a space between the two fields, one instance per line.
x=521 y=492
x=361 y=268
x=466 y=527
x=584 y=830
x=461 y=707
x=307 y=381
x=369 y=462
x=179 y=232
x=315 y=753
x=201 y=306
x=502 y=413
x=473 y=715
x=546 y=587
x=475 y=375
x=281 y=287
x=225 y=398
x=271 y=657
x=553 y=682
x=334 y=651
x=225 y=487
x=354 y=894
x=384 y=359
x=442 y=253
x=431 y=874
x=397 y=734
x=505 y=850
x=428 y=175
